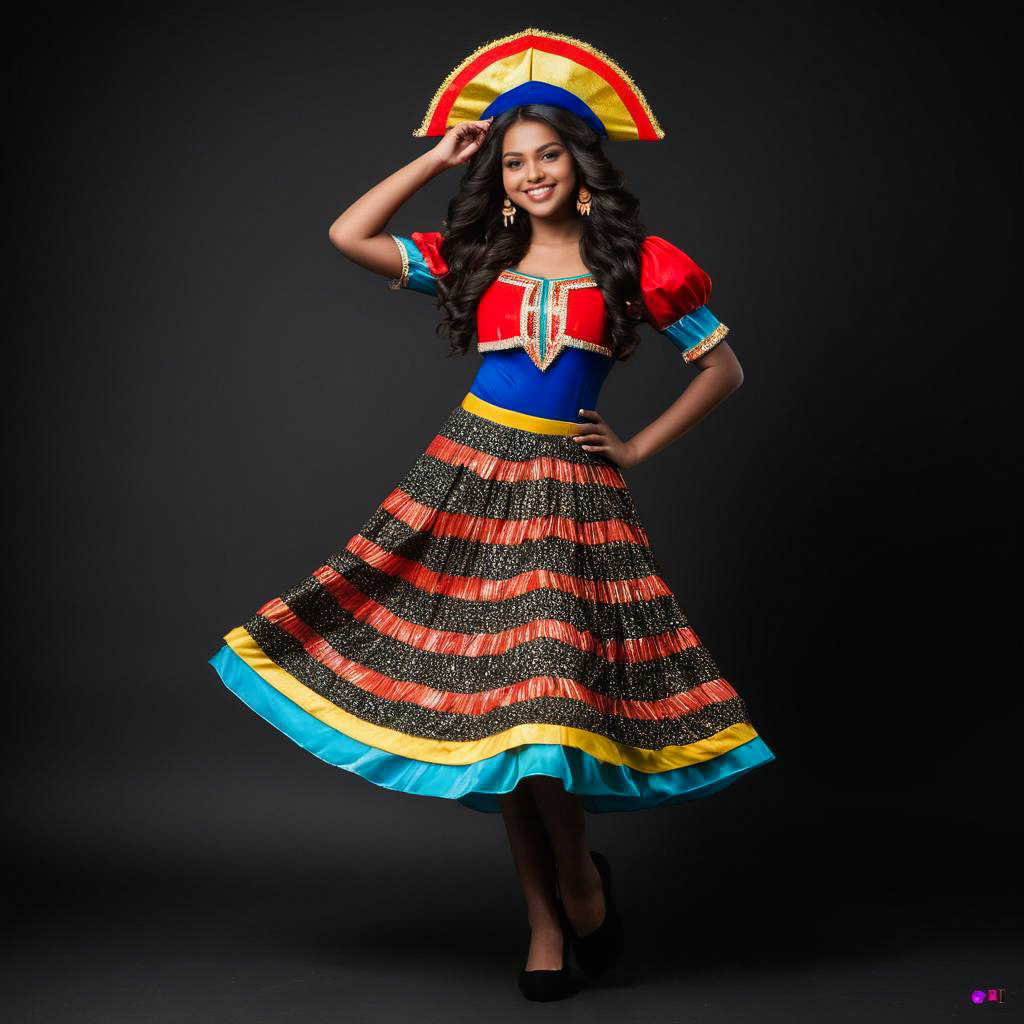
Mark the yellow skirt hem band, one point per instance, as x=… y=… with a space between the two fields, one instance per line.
x=453 y=753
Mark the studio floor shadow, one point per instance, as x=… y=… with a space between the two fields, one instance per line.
x=310 y=941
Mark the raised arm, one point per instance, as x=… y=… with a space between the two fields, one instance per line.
x=359 y=233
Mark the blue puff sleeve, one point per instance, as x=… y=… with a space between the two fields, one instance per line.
x=421 y=262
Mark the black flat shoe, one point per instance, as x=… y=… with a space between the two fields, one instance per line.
x=598 y=951
x=545 y=986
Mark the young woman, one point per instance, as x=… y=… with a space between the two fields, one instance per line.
x=499 y=632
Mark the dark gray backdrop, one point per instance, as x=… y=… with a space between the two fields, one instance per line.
x=205 y=399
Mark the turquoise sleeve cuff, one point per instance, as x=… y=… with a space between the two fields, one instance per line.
x=696 y=333
x=416 y=275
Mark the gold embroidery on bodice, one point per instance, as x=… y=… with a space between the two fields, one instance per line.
x=542 y=317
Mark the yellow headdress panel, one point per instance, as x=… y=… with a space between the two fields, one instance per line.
x=534 y=66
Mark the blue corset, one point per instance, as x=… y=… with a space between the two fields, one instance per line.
x=509 y=378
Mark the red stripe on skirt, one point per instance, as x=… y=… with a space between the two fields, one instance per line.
x=476 y=588
x=675 y=706
x=492 y=530
x=491 y=467
x=441 y=641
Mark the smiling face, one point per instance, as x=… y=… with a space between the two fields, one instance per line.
x=537 y=170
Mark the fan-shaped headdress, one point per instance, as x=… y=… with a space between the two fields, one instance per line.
x=534 y=66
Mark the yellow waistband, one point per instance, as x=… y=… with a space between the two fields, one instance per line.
x=522 y=420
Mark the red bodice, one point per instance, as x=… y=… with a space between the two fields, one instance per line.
x=544 y=316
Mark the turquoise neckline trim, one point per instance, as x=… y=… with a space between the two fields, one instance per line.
x=575 y=277
x=603 y=786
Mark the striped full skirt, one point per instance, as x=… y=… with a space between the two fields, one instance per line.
x=499 y=615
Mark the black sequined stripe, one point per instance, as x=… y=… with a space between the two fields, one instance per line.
x=650 y=679
x=440 y=485
x=512 y=443
x=637 y=618
x=459 y=556
x=415 y=720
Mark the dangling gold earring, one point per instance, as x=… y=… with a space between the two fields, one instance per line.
x=508 y=211
x=583 y=202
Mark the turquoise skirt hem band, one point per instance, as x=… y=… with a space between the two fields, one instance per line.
x=604 y=787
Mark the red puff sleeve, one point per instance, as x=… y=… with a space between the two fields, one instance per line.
x=429 y=243
x=676 y=292
x=422 y=264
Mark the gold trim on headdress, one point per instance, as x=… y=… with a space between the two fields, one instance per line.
x=584 y=46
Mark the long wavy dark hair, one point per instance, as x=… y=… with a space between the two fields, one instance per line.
x=477 y=247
